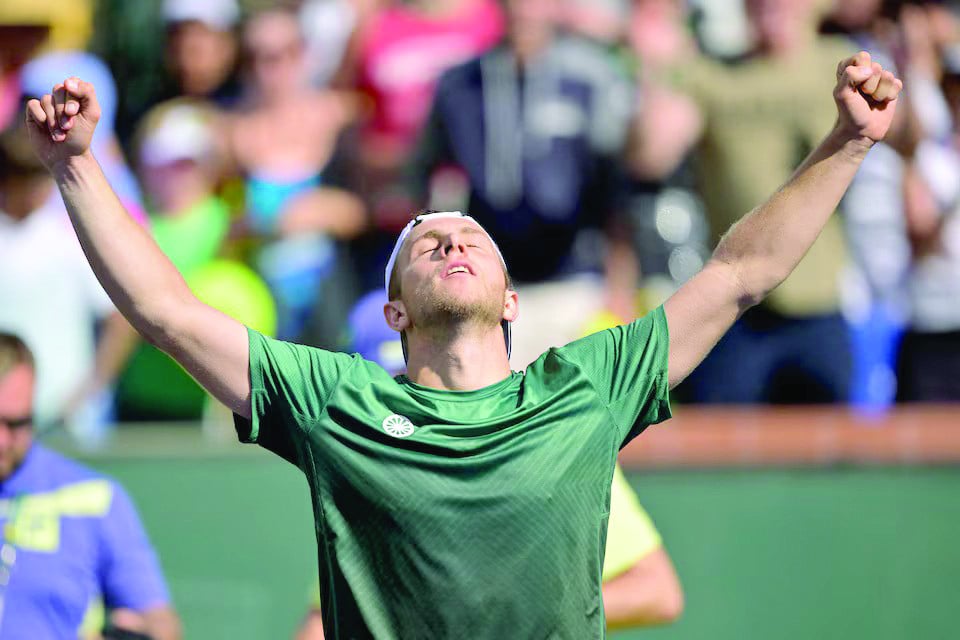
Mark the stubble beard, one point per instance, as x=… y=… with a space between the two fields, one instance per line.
x=441 y=311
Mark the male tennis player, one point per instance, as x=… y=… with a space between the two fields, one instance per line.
x=640 y=585
x=462 y=500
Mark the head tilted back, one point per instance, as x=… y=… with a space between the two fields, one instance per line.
x=402 y=238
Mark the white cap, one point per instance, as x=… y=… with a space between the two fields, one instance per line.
x=182 y=132
x=436 y=215
x=220 y=15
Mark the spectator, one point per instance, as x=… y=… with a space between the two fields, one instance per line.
x=400 y=56
x=670 y=231
x=331 y=29
x=403 y=53
x=747 y=140
x=929 y=358
x=168 y=49
x=900 y=210
x=873 y=286
x=292 y=199
x=538 y=127
x=70 y=537
x=40 y=252
x=180 y=160
x=201 y=50
x=28 y=26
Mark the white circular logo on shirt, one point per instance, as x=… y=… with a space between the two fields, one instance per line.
x=398 y=426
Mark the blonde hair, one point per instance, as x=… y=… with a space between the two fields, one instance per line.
x=13 y=352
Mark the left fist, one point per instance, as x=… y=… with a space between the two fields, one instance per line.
x=866 y=97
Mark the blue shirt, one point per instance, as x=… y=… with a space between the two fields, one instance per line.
x=78 y=540
x=540 y=147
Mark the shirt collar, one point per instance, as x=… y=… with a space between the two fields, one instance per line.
x=27 y=475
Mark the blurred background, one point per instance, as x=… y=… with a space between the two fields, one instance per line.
x=275 y=149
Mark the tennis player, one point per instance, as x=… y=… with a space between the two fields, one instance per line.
x=640 y=584
x=462 y=499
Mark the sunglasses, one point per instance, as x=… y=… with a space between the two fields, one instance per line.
x=17 y=423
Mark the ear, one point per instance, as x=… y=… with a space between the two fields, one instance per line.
x=511 y=306
x=396 y=315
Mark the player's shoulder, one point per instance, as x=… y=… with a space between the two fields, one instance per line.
x=605 y=347
x=294 y=354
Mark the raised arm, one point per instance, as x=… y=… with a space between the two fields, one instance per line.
x=145 y=287
x=761 y=250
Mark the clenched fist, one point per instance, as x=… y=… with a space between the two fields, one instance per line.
x=866 y=97
x=61 y=123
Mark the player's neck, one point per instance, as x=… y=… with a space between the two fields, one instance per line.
x=462 y=361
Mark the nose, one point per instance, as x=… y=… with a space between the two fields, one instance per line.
x=6 y=436
x=454 y=242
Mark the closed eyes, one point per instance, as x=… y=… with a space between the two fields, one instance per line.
x=432 y=249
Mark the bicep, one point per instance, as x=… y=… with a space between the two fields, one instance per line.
x=213 y=348
x=698 y=315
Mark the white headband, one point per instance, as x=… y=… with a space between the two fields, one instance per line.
x=436 y=215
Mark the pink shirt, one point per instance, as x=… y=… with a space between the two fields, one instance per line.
x=402 y=55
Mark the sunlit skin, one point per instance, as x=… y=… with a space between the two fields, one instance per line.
x=453 y=298
x=16 y=404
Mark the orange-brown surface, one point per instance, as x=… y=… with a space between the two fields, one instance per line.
x=750 y=436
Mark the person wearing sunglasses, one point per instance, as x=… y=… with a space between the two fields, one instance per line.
x=70 y=539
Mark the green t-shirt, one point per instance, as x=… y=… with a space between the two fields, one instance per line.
x=476 y=514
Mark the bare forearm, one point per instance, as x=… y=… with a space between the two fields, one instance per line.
x=768 y=243
x=159 y=623
x=163 y=624
x=138 y=277
x=649 y=594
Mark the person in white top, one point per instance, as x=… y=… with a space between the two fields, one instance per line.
x=48 y=294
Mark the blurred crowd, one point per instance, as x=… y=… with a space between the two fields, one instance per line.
x=274 y=150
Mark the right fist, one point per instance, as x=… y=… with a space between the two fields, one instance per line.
x=61 y=123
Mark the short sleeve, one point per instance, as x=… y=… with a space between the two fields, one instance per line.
x=130 y=574
x=627 y=366
x=631 y=534
x=289 y=388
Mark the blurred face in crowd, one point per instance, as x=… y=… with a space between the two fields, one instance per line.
x=200 y=57
x=781 y=26
x=531 y=22
x=276 y=52
x=16 y=422
x=450 y=272
x=175 y=186
x=855 y=15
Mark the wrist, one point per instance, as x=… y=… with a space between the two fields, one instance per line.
x=850 y=143
x=72 y=166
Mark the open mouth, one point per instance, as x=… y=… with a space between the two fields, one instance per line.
x=457 y=267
